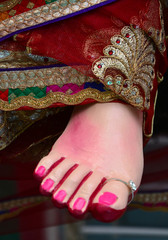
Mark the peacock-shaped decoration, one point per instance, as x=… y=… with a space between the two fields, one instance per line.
x=132 y=55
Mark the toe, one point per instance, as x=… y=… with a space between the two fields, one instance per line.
x=79 y=203
x=62 y=194
x=46 y=164
x=113 y=194
x=110 y=201
x=57 y=175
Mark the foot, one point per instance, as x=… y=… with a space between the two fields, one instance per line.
x=101 y=141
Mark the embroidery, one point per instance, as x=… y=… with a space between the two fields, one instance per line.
x=132 y=56
x=42 y=77
x=154 y=198
x=13 y=123
x=42 y=14
x=8 y=4
x=58 y=97
x=155 y=29
x=158 y=35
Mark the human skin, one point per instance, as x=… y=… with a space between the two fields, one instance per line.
x=100 y=141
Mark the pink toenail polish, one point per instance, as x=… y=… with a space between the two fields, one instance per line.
x=40 y=171
x=60 y=196
x=79 y=204
x=108 y=198
x=47 y=185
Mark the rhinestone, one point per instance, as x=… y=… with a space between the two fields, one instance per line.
x=99 y=66
x=111 y=52
x=135 y=26
x=118 y=82
x=109 y=83
x=127 y=35
x=133 y=93
x=138 y=100
x=132 y=185
x=4 y=54
x=118 y=41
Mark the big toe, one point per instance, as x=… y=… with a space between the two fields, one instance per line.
x=111 y=201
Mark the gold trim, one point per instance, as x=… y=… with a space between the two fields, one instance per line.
x=8 y=5
x=153 y=198
x=42 y=14
x=58 y=97
x=152 y=124
x=42 y=77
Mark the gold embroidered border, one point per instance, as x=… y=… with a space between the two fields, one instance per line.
x=42 y=14
x=140 y=198
x=8 y=4
x=153 y=198
x=58 y=97
x=153 y=117
x=42 y=77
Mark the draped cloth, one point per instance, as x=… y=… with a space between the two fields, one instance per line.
x=57 y=54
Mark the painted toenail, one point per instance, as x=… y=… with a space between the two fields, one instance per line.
x=108 y=198
x=60 y=196
x=47 y=185
x=79 y=204
x=40 y=171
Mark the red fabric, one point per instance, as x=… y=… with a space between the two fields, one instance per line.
x=91 y=33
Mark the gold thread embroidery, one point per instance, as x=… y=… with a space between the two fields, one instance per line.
x=42 y=77
x=160 y=77
x=159 y=35
x=52 y=98
x=133 y=55
x=8 y=5
x=42 y=14
x=152 y=123
x=151 y=198
x=154 y=29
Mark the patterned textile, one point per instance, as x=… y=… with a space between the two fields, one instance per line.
x=55 y=54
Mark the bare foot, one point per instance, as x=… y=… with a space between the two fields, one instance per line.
x=100 y=141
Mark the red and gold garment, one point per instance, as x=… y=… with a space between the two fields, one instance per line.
x=62 y=53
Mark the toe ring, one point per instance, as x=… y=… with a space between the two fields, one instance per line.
x=131 y=185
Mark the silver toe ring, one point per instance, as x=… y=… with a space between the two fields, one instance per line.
x=131 y=185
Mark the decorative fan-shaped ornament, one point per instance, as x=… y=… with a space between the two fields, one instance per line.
x=132 y=54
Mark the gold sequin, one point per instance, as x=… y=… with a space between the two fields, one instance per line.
x=30 y=5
